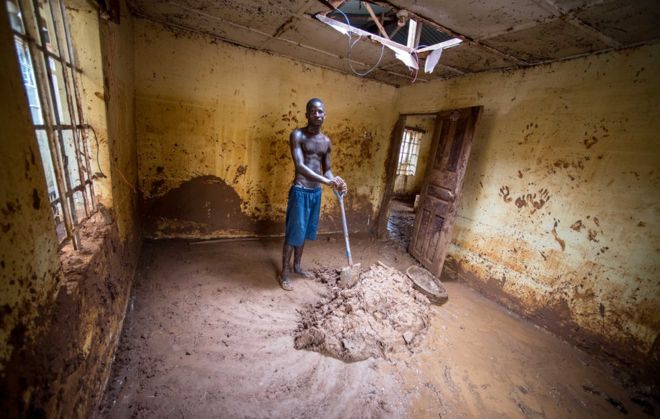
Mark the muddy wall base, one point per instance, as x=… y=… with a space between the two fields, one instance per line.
x=206 y=207
x=631 y=366
x=62 y=371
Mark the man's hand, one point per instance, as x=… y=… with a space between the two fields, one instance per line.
x=339 y=184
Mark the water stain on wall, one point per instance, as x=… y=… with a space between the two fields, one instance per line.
x=206 y=206
x=67 y=346
x=353 y=144
x=557 y=315
x=206 y=202
x=359 y=212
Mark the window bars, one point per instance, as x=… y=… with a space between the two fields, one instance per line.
x=50 y=75
x=409 y=152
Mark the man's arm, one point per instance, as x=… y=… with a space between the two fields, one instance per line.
x=336 y=181
x=299 y=160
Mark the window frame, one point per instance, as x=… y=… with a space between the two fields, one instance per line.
x=66 y=155
x=409 y=151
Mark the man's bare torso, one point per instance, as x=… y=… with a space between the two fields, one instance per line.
x=314 y=149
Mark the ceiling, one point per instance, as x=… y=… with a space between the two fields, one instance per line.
x=496 y=34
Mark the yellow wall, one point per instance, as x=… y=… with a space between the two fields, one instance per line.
x=212 y=124
x=556 y=144
x=558 y=218
x=412 y=185
x=62 y=310
x=104 y=51
x=29 y=264
x=119 y=97
x=560 y=210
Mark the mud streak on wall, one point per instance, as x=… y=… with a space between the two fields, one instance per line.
x=559 y=215
x=218 y=117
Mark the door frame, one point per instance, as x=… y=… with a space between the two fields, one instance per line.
x=380 y=226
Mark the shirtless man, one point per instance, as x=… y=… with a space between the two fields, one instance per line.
x=310 y=150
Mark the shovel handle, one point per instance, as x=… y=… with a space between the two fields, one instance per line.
x=344 y=226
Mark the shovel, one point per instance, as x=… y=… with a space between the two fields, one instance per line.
x=349 y=275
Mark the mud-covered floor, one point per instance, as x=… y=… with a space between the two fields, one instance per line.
x=400 y=221
x=209 y=333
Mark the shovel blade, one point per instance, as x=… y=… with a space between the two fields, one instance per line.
x=349 y=276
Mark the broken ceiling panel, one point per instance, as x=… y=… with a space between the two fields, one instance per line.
x=412 y=54
x=548 y=41
x=310 y=32
x=479 y=19
x=499 y=33
x=628 y=22
x=314 y=56
x=390 y=20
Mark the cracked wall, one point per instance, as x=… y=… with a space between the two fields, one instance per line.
x=212 y=125
x=559 y=217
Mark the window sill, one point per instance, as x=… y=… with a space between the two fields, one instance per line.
x=75 y=263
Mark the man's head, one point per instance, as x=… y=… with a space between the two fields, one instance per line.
x=315 y=112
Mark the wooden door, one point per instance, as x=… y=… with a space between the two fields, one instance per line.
x=441 y=190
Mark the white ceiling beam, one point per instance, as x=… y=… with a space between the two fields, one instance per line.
x=412 y=33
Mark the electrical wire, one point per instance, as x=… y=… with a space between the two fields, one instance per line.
x=352 y=43
x=98 y=162
x=348 y=56
x=100 y=173
x=416 y=71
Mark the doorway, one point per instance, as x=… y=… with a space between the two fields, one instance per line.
x=415 y=142
x=431 y=177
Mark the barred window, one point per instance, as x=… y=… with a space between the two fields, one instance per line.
x=50 y=75
x=409 y=151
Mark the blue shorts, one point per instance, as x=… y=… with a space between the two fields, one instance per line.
x=302 y=215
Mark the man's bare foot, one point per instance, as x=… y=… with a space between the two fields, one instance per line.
x=299 y=271
x=285 y=283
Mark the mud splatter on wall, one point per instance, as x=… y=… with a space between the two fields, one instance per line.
x=560 y=211
x=61 y=310
x=28 y=248
x=209 y=110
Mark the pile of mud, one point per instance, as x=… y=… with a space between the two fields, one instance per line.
x=381 y=314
